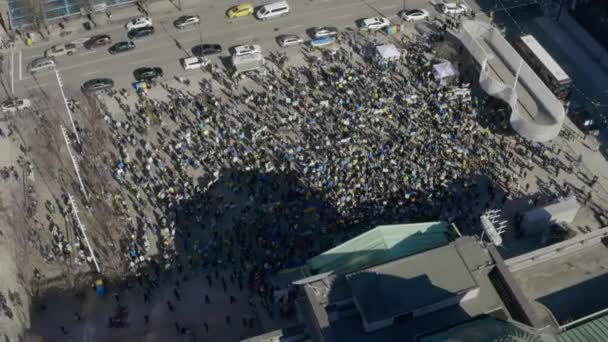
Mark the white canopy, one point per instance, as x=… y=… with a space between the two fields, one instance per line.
x=388 y=52
x=444 y=70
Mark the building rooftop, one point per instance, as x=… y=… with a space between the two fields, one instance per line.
x=408 y=284
x=488 y=329
x=571 y=280
x=592 y=331
x=383 y=244
x=404 y=285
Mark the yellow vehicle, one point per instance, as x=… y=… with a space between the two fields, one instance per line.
x=241 y=10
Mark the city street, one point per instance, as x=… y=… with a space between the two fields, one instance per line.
x=168 y=45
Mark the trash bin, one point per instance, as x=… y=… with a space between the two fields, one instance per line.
x=87 y=26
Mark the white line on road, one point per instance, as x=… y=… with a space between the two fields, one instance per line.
x=12 y=72
x=20 y=66
x=340 y=17
x=91 y=73
x=36 y=86
x=390 y=7
x=293 y=27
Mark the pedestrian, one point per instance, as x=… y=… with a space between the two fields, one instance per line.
x=63 y=330
x=170 y=306
x=228 y=319
x=206 y=326
x=207 y=299
x=146 y=319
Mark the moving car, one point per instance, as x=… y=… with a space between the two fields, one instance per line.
x=148 y=73
x=415 y=15
x=97 y=41
x=123 y=46
x=206 y=49
x=194 y=63
x=241 y=10
x=246 y=49
x=452 y=8
x=60 y=50
x=13 y=105
x=97 y=84
x=141 y=32
x=375 y=23
x=288 y=40
x=185 y=21
x=41 y=64
x=273 y=10
x=138 y=22
x=324 y=31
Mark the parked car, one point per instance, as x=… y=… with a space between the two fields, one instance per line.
x=415 y=15
x=583 y=119
x=246 y=49
x=287 y=40
x=139 y=22
x=206 y=49
x=97 y=84
x=193 y=63
x=148 y=73
x=97 y=41
x=185 y=21
x=372 y=24
x=15 y=104
x=41 y=64
x=60 y=50
x=241 y=10
x=120 y=47
x=140 y=33
x=324 y=31
x=452 y=8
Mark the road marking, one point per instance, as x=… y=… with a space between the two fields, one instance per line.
x=293 y=27
x=340 y=17
x=91 y=73
x=37 y=85
x=12 y=72
x=20 y=65
x=390 y=7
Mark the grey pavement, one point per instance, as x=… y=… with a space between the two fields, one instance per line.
x=168 y=45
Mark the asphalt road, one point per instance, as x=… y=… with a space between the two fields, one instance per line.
x=168 y=45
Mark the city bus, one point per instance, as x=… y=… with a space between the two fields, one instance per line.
x=545 y=66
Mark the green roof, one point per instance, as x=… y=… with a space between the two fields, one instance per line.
x=383 y=244
x=592 y=331
x=488 y=329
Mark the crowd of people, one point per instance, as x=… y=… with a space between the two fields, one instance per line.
x=263 y=165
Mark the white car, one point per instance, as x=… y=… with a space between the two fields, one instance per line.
x=15 y=105
x=452 y=8
x=324 y=31
x=376 y=23
x=289 y=40
x=415 y=15
x=60 y=50
x=246 y=49
x=139 y=22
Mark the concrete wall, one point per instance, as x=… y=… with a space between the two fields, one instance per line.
x=557 y=250
x=548 y=113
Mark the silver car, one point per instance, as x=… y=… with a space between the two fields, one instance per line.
x=41 y=64
x=287 y=40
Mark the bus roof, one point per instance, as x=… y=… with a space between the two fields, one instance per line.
x=534 y=46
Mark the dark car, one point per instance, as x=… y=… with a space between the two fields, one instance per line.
x=206 y=50
x=97 y=84
x=583 y=119
x=140 y=32
x=148 y=73
x=121 y=47
x=97 y=41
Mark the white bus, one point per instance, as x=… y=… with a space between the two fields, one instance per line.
x=545 y=66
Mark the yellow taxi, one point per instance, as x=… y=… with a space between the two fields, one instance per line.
x=240 y=11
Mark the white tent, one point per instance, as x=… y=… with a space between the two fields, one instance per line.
x=444 y=72
x=388 y=52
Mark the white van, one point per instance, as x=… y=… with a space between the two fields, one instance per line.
x=273 y=10
x=194 y=63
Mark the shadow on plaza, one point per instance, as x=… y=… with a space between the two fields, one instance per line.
x=277 y=221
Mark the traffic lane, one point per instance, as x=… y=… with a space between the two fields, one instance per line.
x=81 y=68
